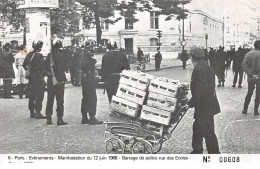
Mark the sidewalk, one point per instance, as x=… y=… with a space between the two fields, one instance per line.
x=165 y=64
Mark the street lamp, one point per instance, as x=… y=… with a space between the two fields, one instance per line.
x=206 y=37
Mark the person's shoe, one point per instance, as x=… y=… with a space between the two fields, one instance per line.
x=61 y=122
x=244 y=111
x=40 y=116
x=49 y=120
x=32 y=114
x=239 y=86
x=233 y=85
x=84 y=121
x=94 y=121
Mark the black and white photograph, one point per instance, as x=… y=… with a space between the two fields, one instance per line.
x=131 y=78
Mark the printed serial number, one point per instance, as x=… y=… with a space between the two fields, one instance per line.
x=229 y=159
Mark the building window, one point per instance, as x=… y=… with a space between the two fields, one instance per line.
x=103 y=24
x=154 y=20
x=227 y=29
x=153 y=41
x=129 y=24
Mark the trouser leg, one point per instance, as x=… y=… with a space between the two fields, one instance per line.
x=251 y=88
x=5 y=88
x=21 y=90
x=257 y=96
x=39 y=98
x=208 y=131
x=197 y=138
x=9 y=87
x=235 y=77
x=92 y=102
x=60 y=99
x=240 y=77
x=50 y=100
x=84 y=105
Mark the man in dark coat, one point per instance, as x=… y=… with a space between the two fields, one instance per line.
x=158 y=60
x=212 y=59
x=7 y=72
x=251 y=66
x=237 y=67
x=205 y=102
x=36 y=84
x=220 y=66
x=113 y=63
x=184 y=57
x=89 y=84
x=56 y=67
x=140 y=55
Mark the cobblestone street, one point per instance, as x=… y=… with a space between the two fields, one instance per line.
x=237 y=133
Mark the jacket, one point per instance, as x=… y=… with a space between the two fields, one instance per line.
x=6 y=67
x=202 y=86
x=251 y=64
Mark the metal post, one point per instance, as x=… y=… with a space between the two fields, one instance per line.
x=183 y=39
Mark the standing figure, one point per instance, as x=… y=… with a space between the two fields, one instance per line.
x=237 y=67
x=35 y=61
x=140 y=55
x=205 y=102
x=251 y=66
x=212 y=59
x=20 y=78
x=7 y=61
x=56 y=67
x=158 y=59
x=113 y=63
x=220 y=66
x=89 y=83
x=184 y=57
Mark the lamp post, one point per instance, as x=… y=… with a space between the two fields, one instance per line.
x=206 y=38
x=183 y=38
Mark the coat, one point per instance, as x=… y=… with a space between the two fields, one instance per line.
x=238 y=60
x=220 y=63
x=251 y=64
x=20 y=76
x=158 y=57
x=202 y=86
x=6 y=65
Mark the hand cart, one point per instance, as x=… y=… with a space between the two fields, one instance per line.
x=132 y=137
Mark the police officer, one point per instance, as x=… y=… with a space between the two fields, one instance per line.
x=158 y=59
x=113 y=63
x=237 y=67
x=88 y=81
x=220 y=66
x=36 y=84
x=56 y=66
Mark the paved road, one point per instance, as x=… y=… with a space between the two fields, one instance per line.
x=237 y=133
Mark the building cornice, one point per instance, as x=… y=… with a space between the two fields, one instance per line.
x=206 y=15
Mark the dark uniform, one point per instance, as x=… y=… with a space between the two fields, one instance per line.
x=36 y=82
x=89 y=83
x=220 y=66
x=212 y=59
x=113 y=63
x=158 y=59
x=140 y=55
x=206 y=105
x=74 y=69
x=184 y=57
x=237 y=67
x=56 y=90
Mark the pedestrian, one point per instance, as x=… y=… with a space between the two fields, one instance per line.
x=89 y=84
x=158 y=59
x=20 y=78
x=251 y=66
x=76 y=64
x=34 y=61
x=205 y=102
x=212 y=59
x=237 y=67
x=113 y=63
x=140 y=55
x=220 y=66
x=7 y=72
x=184 y=57
x=56 y=67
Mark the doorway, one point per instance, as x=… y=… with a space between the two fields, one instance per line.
x=129 y=45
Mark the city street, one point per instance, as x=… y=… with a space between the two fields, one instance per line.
x=237 y=133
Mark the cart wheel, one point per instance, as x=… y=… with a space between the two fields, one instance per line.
x=157 y=147
x=142 y=147
x=115 y=146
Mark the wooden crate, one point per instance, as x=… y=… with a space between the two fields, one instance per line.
x=136 y=80
x=151 y=127
x=161 y=102
x=124 y=106
x=131 y=94
x=155 y=115
x=162 y=87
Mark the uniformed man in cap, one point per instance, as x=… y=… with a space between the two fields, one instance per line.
x=113 y=63
x=205 y=102
x=56 y=66
x=36 y=84
x=89 y=82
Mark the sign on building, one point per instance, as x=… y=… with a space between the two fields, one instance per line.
x=38 y=4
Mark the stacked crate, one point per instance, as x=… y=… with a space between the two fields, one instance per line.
x=131 y=93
